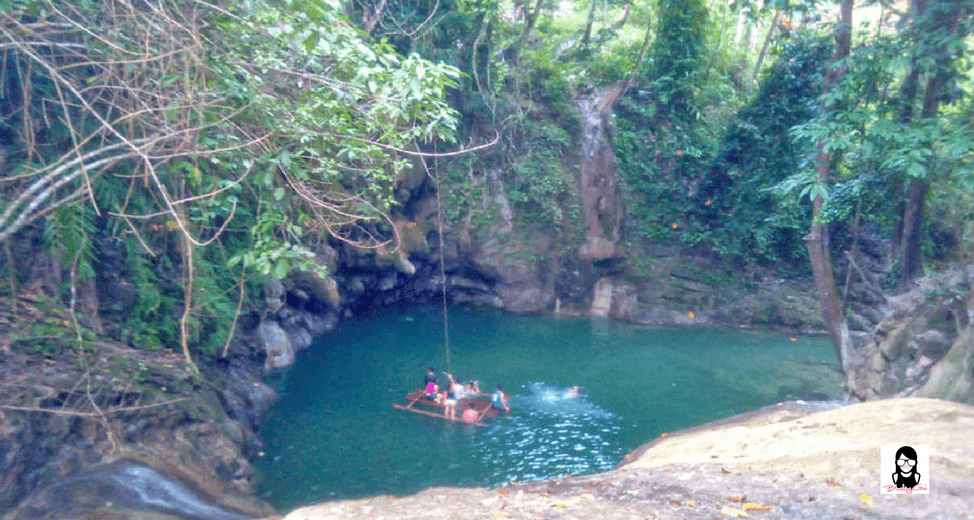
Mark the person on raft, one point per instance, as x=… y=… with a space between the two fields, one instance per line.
x=450 y=402
x=471 y=415
x=456 y=386
x=498 y=400
x=430 y=382
x=429 y=387
x=473 y=388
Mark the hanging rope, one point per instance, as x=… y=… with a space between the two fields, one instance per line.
x=446 y=316
x=439 y=226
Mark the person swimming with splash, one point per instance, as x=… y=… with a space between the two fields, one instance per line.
x=498 y=400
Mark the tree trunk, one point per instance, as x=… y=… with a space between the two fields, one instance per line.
x=588 y=24
x=908 y=95
x=90 y=305
x=622 y=18
x=911 y=261
x=817 y=242
x=639 y=61
x=370 y=20
x=767 y=42
x=743 y=36
x=744 y=41
x=817 y=239
x=511 y=52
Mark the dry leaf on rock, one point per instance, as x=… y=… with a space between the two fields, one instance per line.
x=866 y=499
x=733 y=511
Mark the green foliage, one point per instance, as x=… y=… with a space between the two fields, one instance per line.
x=277 y=248
x=881 y=128
x=289 y=124
x=704 y=184
x=152 y=322
x=70 y=232
x=215 y=293
x=677 y=52
x=758 y=152
x=246 y=131
x=541 y=186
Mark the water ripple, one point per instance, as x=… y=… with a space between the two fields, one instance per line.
x=551 y=434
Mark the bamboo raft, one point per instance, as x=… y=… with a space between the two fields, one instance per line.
x=423 y=405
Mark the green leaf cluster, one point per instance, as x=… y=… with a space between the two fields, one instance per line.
x=233 y=142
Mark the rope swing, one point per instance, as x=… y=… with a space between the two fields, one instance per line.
x=446 y=315
x=439 y=225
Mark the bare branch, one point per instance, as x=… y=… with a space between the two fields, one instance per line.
x=120 y=409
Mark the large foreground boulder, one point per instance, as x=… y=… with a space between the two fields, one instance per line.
x=781 y=462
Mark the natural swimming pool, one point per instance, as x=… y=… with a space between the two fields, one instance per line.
x=334 y=434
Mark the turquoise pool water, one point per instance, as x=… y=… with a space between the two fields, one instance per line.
x=334 y=433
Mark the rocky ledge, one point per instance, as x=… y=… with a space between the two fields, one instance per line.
x=782 y=462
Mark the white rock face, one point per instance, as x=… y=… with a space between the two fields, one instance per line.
x=280 y=352
x=612 y=298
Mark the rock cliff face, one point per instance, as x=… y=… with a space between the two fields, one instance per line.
x=124 y=490
x=923 y=347
x=93 y=417
x=599 y=178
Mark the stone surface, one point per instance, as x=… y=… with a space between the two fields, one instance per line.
x=273 y=295
x=613 y=298
x=512 y=260
x=181 y=431
x=923 y=347
x=796 y=462
x=596 y=248
x=277 y=345
x=123 y=490
x=319 y=289
x=598 y=174
x=953 y=376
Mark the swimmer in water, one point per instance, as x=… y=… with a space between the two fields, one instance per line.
x=572 y=393
x=471 y=415
x=498 y=400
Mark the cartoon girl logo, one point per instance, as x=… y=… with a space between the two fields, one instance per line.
x=906 y=475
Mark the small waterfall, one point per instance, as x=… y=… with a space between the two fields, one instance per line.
x=599 y=177
x=122 y=485
x=150 y=489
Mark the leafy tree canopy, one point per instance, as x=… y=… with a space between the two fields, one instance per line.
x=238 y=135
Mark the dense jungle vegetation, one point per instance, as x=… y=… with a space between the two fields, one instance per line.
x=175 y=152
